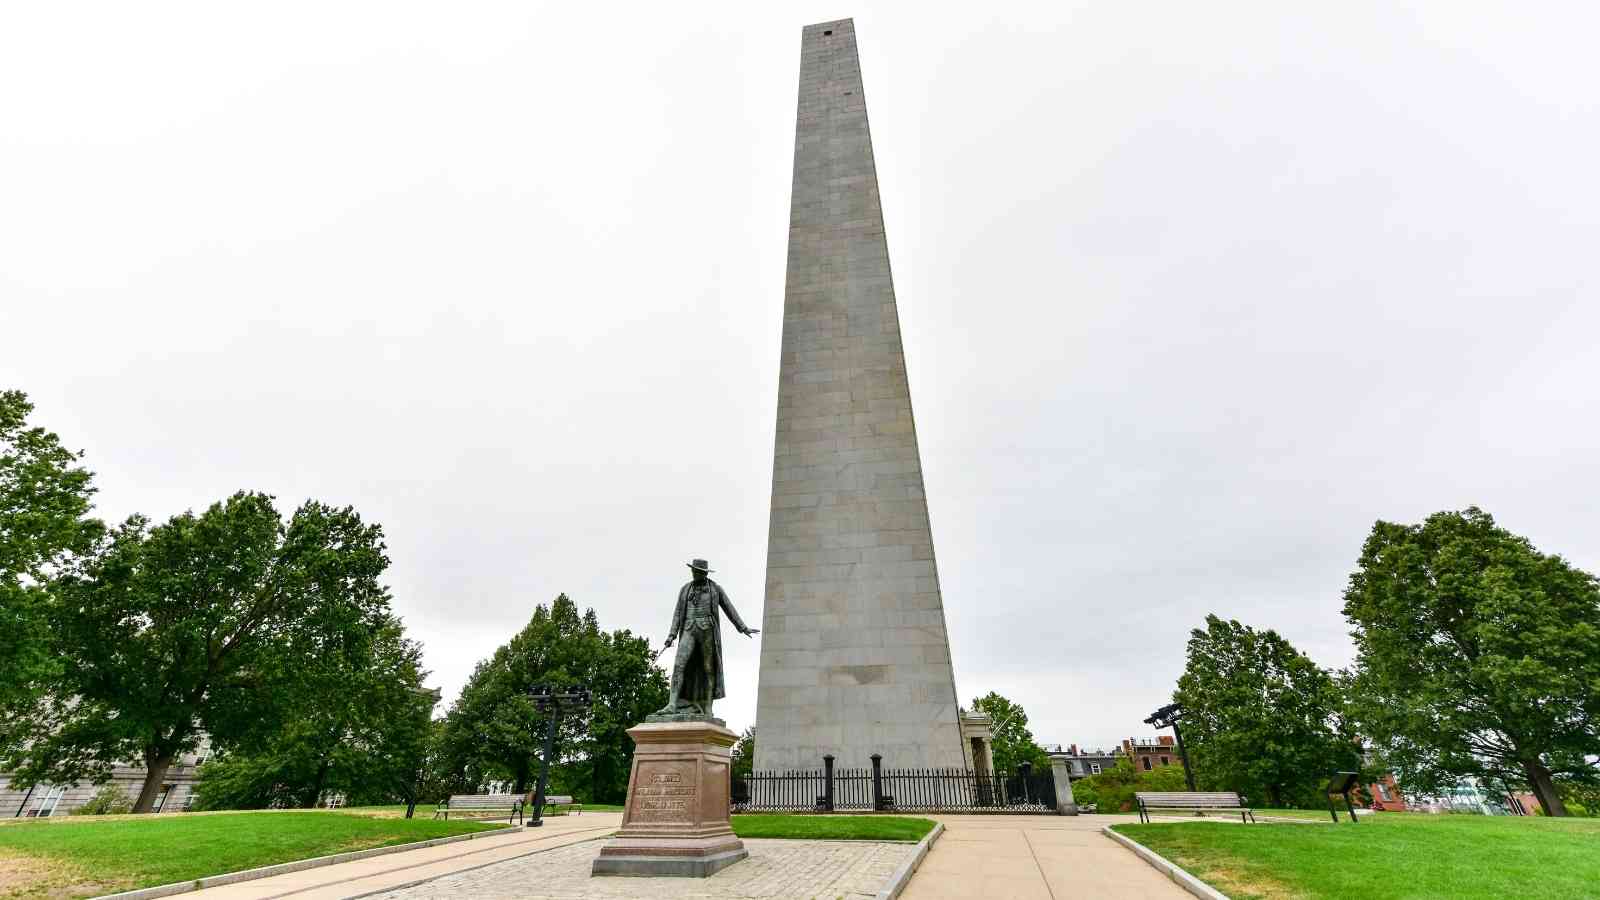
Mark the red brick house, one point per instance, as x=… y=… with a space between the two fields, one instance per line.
x=1386 y=796
x=1150 y=753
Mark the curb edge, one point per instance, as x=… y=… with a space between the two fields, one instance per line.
x=1166 y=867
x=902 y=874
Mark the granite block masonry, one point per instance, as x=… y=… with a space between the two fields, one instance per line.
x=855 y=657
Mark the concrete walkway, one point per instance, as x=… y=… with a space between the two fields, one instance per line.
x=383 y=873
x=1026 y=857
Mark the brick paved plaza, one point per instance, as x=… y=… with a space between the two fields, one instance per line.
x=774 y=869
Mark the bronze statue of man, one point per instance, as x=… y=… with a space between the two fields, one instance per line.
x=697 y=669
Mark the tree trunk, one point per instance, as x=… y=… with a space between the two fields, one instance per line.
x=156 y=764
x=1544 y=787
x=522 y=779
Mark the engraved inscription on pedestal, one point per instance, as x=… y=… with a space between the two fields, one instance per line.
x=666 y=794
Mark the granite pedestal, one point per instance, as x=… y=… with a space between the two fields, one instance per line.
x=676 y=821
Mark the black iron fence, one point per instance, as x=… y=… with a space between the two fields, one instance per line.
x=829 y=789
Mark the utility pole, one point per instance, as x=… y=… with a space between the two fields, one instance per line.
x=552 y=702
x=1169 y=715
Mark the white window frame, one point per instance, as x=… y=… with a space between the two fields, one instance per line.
x=161 y=798
x=1094 y=768
x=45 y=807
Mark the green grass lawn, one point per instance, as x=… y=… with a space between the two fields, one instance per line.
x=425 y=810
x=1314 y=815
x=1388 y=855
x=78 y=857
x=831 y=828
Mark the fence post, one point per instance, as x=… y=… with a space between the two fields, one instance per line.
x=827 y=789
x=877 y=781
x=1027 y=771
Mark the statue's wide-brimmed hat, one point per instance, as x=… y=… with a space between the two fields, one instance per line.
x=700 y=565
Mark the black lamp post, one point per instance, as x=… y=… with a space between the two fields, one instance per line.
x=1169 y=715
x=552 y=702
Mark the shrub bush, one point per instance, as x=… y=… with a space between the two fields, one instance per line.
x=1112 y=790
x=110 y=800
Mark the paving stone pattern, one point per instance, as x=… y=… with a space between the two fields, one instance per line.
x=855 y=657
x=775 y=869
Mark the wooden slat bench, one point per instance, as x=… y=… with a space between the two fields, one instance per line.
x=460 y=803
x=561 y=800
x=1192 y=801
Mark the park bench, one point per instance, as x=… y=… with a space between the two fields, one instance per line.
x=460 y=803
x=1192 y=801
x=561 y=800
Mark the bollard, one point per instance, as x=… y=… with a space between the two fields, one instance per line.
x=877 y=781
x=827 y=789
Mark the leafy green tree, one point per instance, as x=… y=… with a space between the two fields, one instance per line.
x=1580 y=799
x=360 y=727
x=1013 y=743
x=1476 y=655
x=198 y=626
x=744 y=754
x=439 y=777
x=627 y=686
x=493 y=731
x=44 y=504
x=1260 y=717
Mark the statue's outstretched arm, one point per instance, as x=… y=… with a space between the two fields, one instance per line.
x=733 y=614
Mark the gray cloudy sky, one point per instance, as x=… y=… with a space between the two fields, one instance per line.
x=1191 y=294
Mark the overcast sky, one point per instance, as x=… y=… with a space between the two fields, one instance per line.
x=1191 y=295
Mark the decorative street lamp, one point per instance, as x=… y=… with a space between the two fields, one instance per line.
x=553 y=701
x=1169 y=715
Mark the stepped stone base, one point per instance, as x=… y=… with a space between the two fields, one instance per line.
x=676 y=821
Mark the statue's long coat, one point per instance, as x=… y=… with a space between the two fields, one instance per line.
x=692 y=687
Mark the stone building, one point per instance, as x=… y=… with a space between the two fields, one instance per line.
x=977 y=739
x=42 y=800
x=1469 y=795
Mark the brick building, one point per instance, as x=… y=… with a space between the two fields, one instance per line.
x=1149 y=753
x=1386 y=796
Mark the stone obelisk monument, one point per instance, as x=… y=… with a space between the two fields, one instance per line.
x=855 y=658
